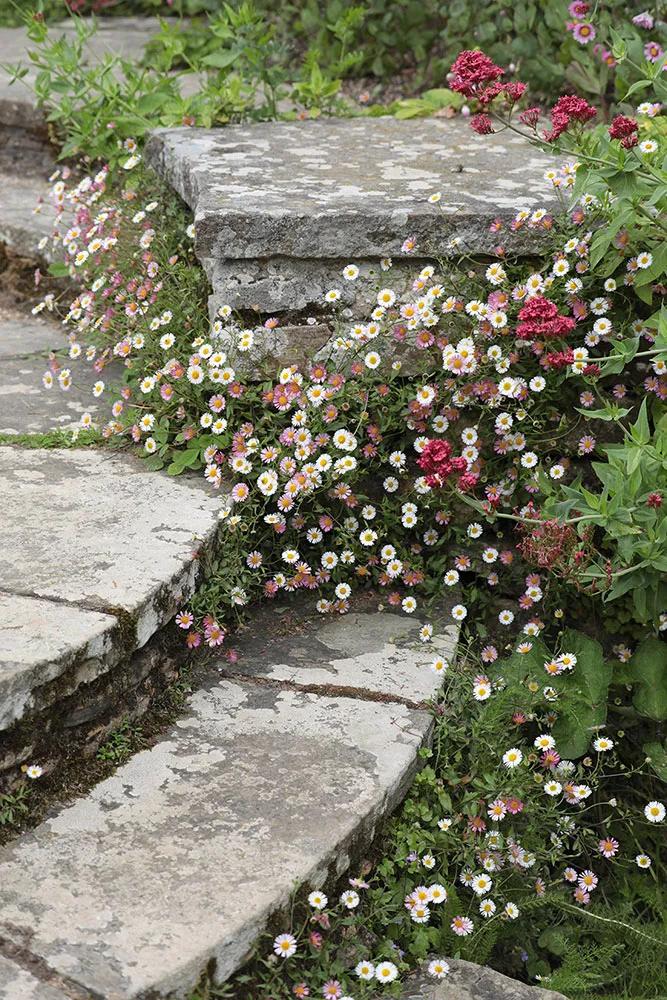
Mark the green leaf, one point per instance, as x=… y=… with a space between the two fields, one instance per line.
x=583 y=695
x=649 y=664
x=58 y=269
x=658 y=758
x=221 y=60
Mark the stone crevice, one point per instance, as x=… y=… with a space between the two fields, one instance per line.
x=328 y=690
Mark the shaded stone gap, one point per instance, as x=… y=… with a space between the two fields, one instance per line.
x=326 y=690
x=100 y=608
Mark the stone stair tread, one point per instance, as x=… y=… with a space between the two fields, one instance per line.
x=185 y=852
x=17 y=983
x=26 y=407
x=99 y=532
x=371 y=651
x=346 y=188
x=22 y=228
x=22 y=334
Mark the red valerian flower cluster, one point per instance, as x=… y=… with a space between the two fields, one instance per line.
x=559 y=359
x=540 y=320
x=481 y=124
x=566 y=110
x=625 y=129
x=471 y=71
x=437 y=462
x=474 y=74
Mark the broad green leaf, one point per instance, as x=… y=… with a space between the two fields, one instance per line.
x=649 y=665
x=658 y=758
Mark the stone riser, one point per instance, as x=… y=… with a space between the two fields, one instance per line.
x=288 y=285
x=81 y=707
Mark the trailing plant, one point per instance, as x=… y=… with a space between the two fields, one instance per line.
x=495 y=426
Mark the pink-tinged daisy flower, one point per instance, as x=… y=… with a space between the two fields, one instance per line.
x=653 y=52
x=584 y=33
x=608 y=847
x=462 y=926
x=184 y=619
x=193 y=639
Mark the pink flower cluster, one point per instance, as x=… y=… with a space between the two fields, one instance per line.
x=539 y=319
x=626 y=130
x=437 y=462
x=566 y=110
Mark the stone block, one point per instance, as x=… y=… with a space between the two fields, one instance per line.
x=467 y=981
x=347 y=188
x=183 y=854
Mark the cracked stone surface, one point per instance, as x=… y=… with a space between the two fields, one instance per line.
x=21 y=227
x=342 y=188
x=26 y=407
x=371 y=651
x=467 y=981
x=22 y=334
x=16 y=983
x=282 y=283
x=184 y=853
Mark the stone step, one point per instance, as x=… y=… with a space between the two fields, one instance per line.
x=26 y=214
x=276 y=775
x=98 y=553
x=283 y=203
x=467 y=981
x=23 y=335
x=26 y=407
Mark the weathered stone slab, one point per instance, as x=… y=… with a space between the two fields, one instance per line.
x=16 y=983
x=22 y=334
x=23 y=228
x=371 y=652
x=99 y=531
x=346 y=188
x=40 y=640
x=467 y=981
x=26 y=407
x=184 y=853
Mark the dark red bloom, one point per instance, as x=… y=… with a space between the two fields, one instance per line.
x=654 y=500
x=530 y=116
x=481 y=124
x=566 y=110
x=471 y=70
x=540 y=320
x=514 y=91
x=437 y=462
x=559 y=359
x=626 y=130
